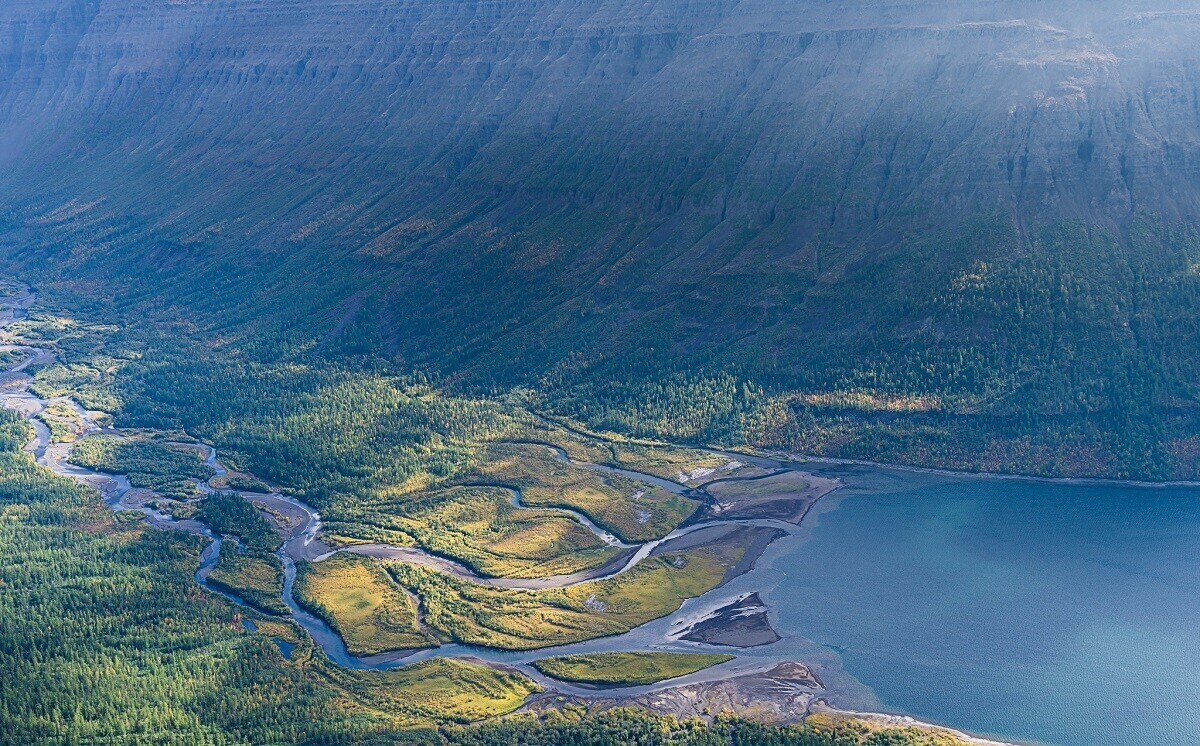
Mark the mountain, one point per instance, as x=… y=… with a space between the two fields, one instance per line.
x=876 y=228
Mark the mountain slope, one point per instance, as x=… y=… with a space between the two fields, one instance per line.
x=985 y=204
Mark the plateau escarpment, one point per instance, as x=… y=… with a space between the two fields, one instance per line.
x=911 y=210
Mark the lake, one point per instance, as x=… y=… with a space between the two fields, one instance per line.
x=1041 y=612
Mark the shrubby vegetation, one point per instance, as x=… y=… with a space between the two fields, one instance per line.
x=246 y=484
x=626 y=669
x=376 y=453
x=340 y=436
x=1061 y=354
x=1027 y=361
x=64 y=422
x=60 y=431
x=93 y=353
x=634 y=511
x=105 y=636
x=254 y=577
x=574 y=726
x=9 y=358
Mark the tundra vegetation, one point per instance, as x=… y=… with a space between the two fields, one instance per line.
x=358 y=599
x=627 y=669
x=525 y=620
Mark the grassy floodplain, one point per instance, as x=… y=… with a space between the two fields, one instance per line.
x=120 y=631
x=450 y=689
x=527 y=620
x=394 y=463
x=255 y=577
x=627 y=669
x=358 y=599
x=481 y=528
x=634 y=511
x=636 y=454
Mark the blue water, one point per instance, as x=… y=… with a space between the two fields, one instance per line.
x=1047 y=613
x=285 y=647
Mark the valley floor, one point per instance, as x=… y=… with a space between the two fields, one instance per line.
x=474 y=576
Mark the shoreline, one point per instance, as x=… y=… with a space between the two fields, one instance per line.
x=883 y=719
x=798 y=460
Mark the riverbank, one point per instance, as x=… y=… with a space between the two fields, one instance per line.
x=800 y=460
x=741 y=624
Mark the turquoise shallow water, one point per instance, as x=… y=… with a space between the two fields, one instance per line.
x=1049 y=613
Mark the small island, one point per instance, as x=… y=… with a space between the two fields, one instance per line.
x=740 y=624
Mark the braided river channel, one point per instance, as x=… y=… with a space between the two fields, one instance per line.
x=1034 y=611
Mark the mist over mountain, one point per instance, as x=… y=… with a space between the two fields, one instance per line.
x=989 y=203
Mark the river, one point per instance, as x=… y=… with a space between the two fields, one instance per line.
x=302 y=543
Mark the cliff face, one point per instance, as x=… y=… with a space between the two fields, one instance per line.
x=1032 y=102
x=522 y=179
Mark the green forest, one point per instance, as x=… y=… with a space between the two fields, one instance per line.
x=395 y=453
x=573 y=726
x=105 y=636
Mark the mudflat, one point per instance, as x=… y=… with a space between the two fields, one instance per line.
x=783 y=496
x=741 y=624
